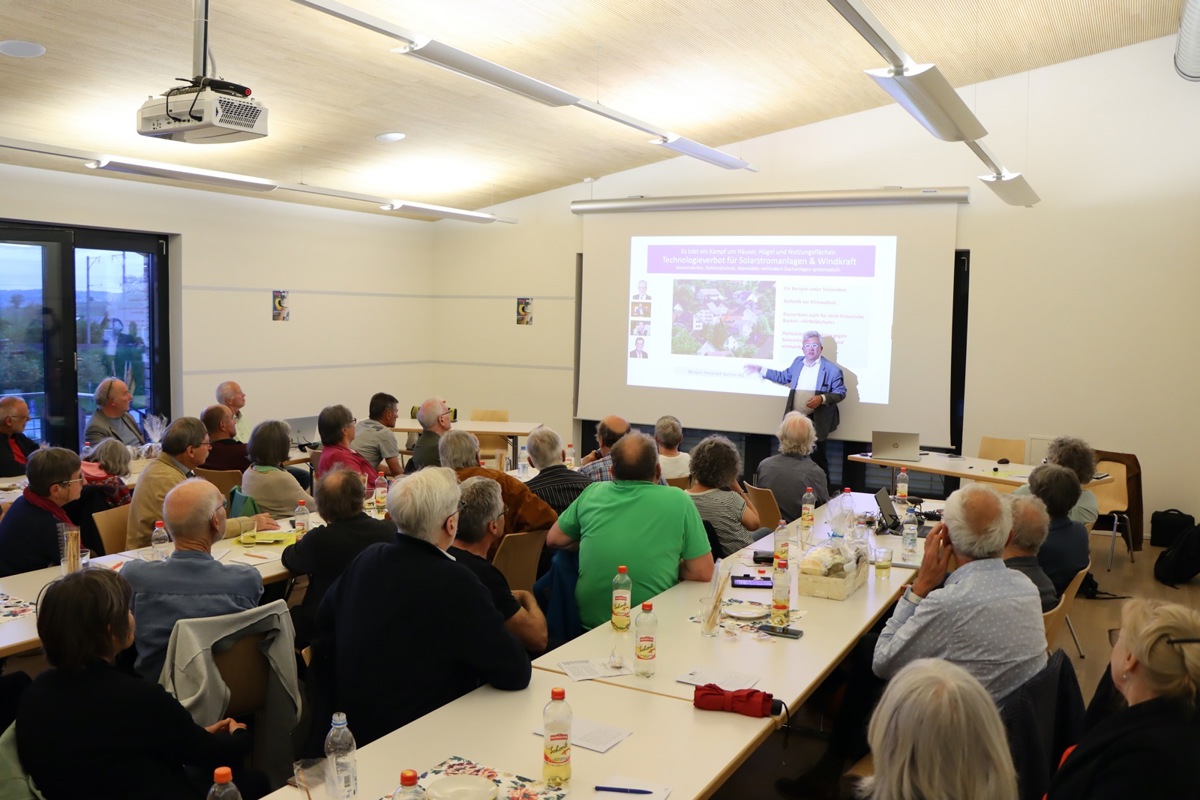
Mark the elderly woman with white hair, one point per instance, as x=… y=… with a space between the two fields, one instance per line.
x=792 y=471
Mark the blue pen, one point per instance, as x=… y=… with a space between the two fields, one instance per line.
x=623 y=790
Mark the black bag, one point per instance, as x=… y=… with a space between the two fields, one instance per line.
x=1180 y=563
x=1166 y=526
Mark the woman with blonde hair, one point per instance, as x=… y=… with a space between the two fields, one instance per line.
x=936 y=735
x=1151 y=747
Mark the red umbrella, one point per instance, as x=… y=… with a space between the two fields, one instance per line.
x=751 y=702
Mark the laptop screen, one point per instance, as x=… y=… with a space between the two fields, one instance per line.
x=304 y=430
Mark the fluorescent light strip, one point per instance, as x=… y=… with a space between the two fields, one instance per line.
x=443 y=212
x=152 y=169
x=1012 y=188
x=489 y=72
x=705 y=153
x=926 y=94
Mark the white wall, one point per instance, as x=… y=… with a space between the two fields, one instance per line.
x=1083 y=309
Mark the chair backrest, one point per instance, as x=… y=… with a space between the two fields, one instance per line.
x=223 y=479
x=1054 y=618
x=4 y=509
x=245 y=670
x=994 y=449
x=491 y=442
x=495 y=459
x=1113 y=496
x=680 y=483
x=241 y=504
x=112 y=525
x=517 y=558
x=1042 y=717
x=765 y=505
x=714 y=542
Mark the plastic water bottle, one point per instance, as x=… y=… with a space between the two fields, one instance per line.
x=645 y=629
x=381 y=490
x=341 y=766
x=908 y=535
x=160 y=541
x=781 y=542
x=622 y=598
x=300 y=520
x=845 y=516
x=570 y=456
x=223 y=788
x=902 y=484
x=409 y=788
x=556 y=735
x=808 y=507
x=523 y=463
x=781 y=594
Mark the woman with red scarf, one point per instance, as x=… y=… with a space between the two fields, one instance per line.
x=29 y=531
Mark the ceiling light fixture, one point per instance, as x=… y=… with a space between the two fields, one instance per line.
x=493 y=74
x=389 y=136
x=153 y=169
x=1011 y=187
x=19 y=49
x=442 y=212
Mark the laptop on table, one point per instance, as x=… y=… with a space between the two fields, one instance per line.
x=895 y=446
x=893 y=521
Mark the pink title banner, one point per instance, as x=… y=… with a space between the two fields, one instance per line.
x=849 y=261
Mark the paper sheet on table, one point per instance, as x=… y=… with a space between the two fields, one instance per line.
x=727 y=679
x=659 y=791
x=594 y=735
x=587 y=669
x=256 y=558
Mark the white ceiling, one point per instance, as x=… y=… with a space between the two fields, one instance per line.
x=716 y=71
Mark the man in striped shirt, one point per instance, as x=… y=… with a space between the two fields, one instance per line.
x=554 y=483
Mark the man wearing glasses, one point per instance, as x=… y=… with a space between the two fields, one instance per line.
x=817 y=387
x=29 y=531
x=185 y=446
x=15 y=446
x=435 y=418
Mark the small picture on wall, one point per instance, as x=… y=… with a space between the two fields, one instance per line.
x=524 y=310
x=279 y=306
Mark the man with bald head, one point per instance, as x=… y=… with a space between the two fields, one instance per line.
x=15 y=446
x=230 y=395
x=1030 y=524
x=190 y=583
x=112 y=418
x=597 y=465
x=435 y=418
x=653 y=530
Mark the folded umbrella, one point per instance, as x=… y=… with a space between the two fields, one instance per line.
x=751 y=702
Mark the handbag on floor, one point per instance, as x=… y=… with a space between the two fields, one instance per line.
x=1167 y=526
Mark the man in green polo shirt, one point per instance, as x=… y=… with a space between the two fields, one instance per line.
x=653 y=530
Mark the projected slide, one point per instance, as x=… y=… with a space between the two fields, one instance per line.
x=702 y=308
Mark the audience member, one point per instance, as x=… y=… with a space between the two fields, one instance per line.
x=324 y=553
x=597 y=465
x=85 y=724
x=718 y=494
x=112 y=417
x=335 y=424
x=668 y=435
x=1078 y=456
x=1030 y=524
x=274 y=488
x=985 y=618
x=792 y=471
x=917 y=735
x=106 y=465
x=185 y=446
x=1151 y=747
x=29 y=529
x=523 y=510
x=190 y=583
x=554 y=483
x=406 y=629
x=15 y=446
x=374 y=438
x=1066 y=549
x=230 y=395
x=435 y=418
x=226 y=452
x=653 y=530
x=480 y=525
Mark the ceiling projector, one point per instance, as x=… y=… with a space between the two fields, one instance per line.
x=203 y=115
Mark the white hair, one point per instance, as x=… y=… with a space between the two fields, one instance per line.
x=979 y=521
x=544 y=447
x=458 y=450
x=420 y=503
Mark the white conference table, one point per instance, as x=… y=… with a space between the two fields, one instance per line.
x=669 y=743
x=976 y=469
x=511 y=430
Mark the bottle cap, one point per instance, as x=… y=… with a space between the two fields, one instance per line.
x=647 y=606
x=846 y=490
x=381 y=473
x=808 y=488
x=558 y=693
x=301 y=502
x=222 y=775
x=622 y=569
x=904 y=469
x=781 y=564
x=158 y=524
x=408 y=777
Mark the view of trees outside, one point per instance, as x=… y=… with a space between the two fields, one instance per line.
x=112 y=316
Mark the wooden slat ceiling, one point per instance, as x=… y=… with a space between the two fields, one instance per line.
x=716 y=71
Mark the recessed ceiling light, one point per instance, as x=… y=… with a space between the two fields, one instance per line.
x=18 y=49
x=390 y=136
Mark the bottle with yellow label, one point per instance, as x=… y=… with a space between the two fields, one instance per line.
x=645 y=631
x=556 y=733
x=622 y=598
x=781 y=594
